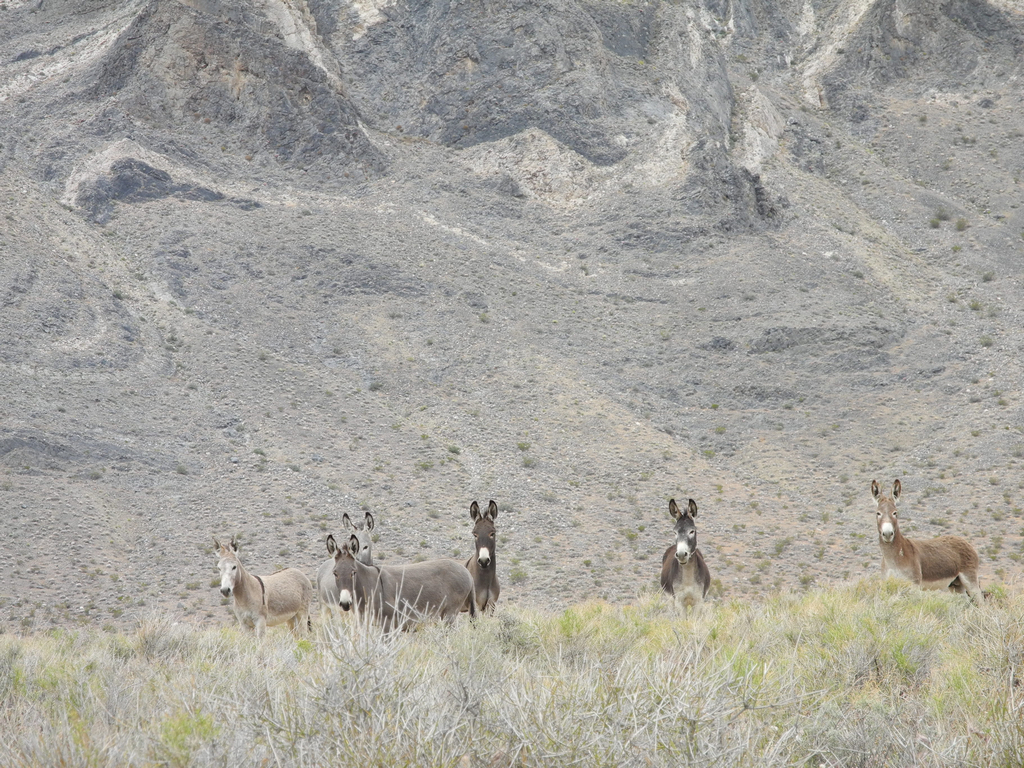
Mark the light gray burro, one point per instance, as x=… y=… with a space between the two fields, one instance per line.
x=482 y=564
x=945 y=562
x=264 y=602
x=401 y=596
x=684 y=574
x=326 y=585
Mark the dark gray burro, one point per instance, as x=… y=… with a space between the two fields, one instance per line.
x=684 y=574
x=326 y=587
x=400 y=596
x=483 y=564
x=945 y=562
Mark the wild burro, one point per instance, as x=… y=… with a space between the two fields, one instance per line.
x=262 y=602
x=684 y=574
x=401 y=596
x=326 y=585
x=945 y=562
x=483 y=564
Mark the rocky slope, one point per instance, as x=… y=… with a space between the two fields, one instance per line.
x=267 y=262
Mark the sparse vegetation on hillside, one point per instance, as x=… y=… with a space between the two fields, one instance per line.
x=875 y=673
x=567 y=255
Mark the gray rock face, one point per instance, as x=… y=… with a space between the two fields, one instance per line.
x=579 y=72
x=946 y=43
x=133 y=181
x=197 y=81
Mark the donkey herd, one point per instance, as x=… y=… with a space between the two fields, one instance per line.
x=401 y=596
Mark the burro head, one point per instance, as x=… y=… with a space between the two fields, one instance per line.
x=228 y=565
x=686 y=529
x=885 y=509
x=483 y=532
x=345 y=571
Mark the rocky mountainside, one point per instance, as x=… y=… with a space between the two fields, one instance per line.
x=264 y=262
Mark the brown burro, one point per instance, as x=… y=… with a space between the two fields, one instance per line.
x=401 y=596
x=684 y=574
x=264 y=602
x=945 y=562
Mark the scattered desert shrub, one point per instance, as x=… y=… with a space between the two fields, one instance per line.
x=874 y=673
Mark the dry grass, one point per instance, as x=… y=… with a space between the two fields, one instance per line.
x=875 y=673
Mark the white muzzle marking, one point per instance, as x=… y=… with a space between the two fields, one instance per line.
x=682 y=554
x=345 y=600
x=888 y=532
x=484 y=557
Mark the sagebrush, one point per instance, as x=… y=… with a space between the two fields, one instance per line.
x=874 y=673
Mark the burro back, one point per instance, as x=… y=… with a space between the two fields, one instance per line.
x=400 y=596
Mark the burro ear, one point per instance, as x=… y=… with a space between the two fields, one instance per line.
x=691 y=507
x=492 y=510
x=474 y=511
x=876 y=491
x=353 y=544
x=346 y=521
x=234 y=545
x=332 y=545
x=369 y=521
x=673 y=509
x=897 y=488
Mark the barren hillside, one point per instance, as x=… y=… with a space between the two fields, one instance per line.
x=263 y=263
